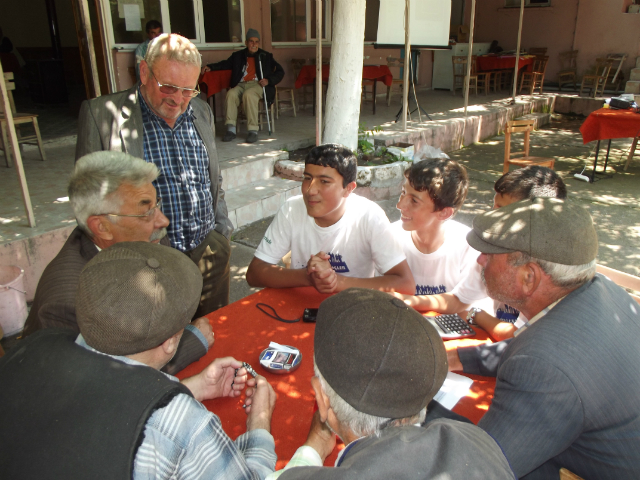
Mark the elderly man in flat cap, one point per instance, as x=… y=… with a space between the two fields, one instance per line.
x=567 y=385
x=96 y=406
x=378 y=364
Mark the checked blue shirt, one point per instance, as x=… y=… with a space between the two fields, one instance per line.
x=183 y=184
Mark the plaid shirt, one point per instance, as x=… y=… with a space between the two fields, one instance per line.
x=183 y=184
x=185 y=440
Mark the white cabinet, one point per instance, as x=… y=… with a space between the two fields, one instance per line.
x=442 y=67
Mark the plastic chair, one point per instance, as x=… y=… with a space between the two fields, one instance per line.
x=595 y=82
x=535 y=78
x=18 y=119
x=568 y=70
x=521 y=158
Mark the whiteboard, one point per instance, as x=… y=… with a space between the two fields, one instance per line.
x=430 y=20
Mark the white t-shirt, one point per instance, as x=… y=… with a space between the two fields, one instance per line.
x=471 y=289
x=359 y=244
x=442 y=270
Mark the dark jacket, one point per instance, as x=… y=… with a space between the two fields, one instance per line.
x=270 y=68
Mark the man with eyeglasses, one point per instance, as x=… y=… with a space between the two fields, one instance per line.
x=161 y=121
x=114 y=201
x=247 y=83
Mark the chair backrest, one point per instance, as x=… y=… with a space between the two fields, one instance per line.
x=603 y=67
x=393 y=63
x=517 y=126
x=10 y=85
x=296 y=65
x=540 y=64
x=568 y=60
x=618 y=60
x=459 y=65
x=538 y=51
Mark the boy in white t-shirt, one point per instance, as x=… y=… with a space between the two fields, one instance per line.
x=528 y=182
x=435 y=245
x=337 y=240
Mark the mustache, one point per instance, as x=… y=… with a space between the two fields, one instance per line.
x=160 y=233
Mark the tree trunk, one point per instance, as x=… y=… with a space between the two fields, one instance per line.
x=345 y=77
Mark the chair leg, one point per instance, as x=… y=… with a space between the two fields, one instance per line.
x=5 y=144
x=39 y=138
x=631 y=152
x=293 y=102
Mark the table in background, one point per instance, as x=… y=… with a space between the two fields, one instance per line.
x=243 y=331
x=485 y=63
x=213 y=82
x=606 y=124
x=307 y=76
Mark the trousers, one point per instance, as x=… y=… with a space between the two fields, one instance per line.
x=250 y=94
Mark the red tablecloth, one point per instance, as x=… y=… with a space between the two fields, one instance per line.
x=492 y=62
x=243 y=331
x=214 y=81
x=608 y=123
x=307 y=74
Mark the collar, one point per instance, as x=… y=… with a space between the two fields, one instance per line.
x=538 y=316
x=344 y=451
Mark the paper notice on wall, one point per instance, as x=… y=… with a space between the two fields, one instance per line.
x=132 y=18
x=122 y=3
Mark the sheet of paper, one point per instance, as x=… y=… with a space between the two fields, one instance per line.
x=122 y=3
x=453 y=389
x=282 y=348
x=132 y=18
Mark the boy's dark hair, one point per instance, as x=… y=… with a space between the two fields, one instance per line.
x=335 y=156
x=151 y=24
x=530 y=182
x=445 y=181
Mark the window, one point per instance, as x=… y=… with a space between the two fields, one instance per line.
x=371 y=20
x=528 y=3
x=295 y=20
x=201 y=21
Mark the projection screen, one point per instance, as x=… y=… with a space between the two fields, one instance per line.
x=430 y=21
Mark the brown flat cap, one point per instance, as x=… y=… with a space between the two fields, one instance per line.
x=135 y=295
x=381 y=356
x=550 y=229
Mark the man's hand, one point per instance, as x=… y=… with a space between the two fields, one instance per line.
x=218 y=379
x=263 y=83
x=455 y=365
x=204 y=326
x=320 y=437
x=322 y=275
x=205 y=69
x=260 y=402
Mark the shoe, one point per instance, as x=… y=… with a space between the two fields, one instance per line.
x=228 y=136
x=252 y=137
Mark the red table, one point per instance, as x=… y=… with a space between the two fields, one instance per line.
x=213 y=82
x=307 y=76
x=243 y=331
x=486 y=63
x=608 y=123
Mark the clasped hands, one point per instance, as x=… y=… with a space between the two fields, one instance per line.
x=321 y=274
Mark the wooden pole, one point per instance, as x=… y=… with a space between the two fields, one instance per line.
x=469 y=56
x=515 y=72
x=15 y=150
x=407 y=65
x=87 y=49
x=318 y=72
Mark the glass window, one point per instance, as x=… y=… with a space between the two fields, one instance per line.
x=371 y=20
x=222 y=21
x=149 y=10
x=183 y=21
x=313 y=22
x=289 y=21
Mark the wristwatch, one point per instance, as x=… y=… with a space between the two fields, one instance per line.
x=472 y=315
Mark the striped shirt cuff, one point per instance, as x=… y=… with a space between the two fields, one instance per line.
x=198 y=335
x=304 y=457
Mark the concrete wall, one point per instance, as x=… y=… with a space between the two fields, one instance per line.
x=594 y=27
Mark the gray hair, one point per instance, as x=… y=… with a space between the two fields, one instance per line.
x=564 y=276
x=362 y=424
x=97 y=176
x=173 y=47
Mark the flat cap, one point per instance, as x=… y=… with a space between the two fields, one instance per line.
x=379 y=355
x=133 y=296
x=550 y=229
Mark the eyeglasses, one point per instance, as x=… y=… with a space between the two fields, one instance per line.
x=171 y=89
x=147 y=216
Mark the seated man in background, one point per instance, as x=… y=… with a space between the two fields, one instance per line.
x=153 y=29
x=567 y=385
x=337 y=239
x=378 y=364
x=247 y=82
x=529 y=182
x=100 y=395
x=114 y=201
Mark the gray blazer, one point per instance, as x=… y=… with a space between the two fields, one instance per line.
x=568 y=388
x=114 y=122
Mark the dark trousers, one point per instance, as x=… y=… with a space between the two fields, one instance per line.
x=212 y=258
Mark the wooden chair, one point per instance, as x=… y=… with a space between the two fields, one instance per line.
x=595 y=82
x=459 y=74
x=538 y=51
x=616 y=77
x=285 y=100
x=483 y=79
x=393 y=63
x=622 y=279
x=568 y=69
x=18 y=119
x=306 y=91
x=521 y=158
x=262 y=115
x=535 y=78
x=568 y=475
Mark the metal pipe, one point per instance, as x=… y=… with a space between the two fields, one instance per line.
x=54 y=30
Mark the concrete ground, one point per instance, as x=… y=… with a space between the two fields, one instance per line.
x=613 y=202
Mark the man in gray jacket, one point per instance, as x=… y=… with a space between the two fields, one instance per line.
x=567 y=385
x=160 y=121
x=378 y=364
